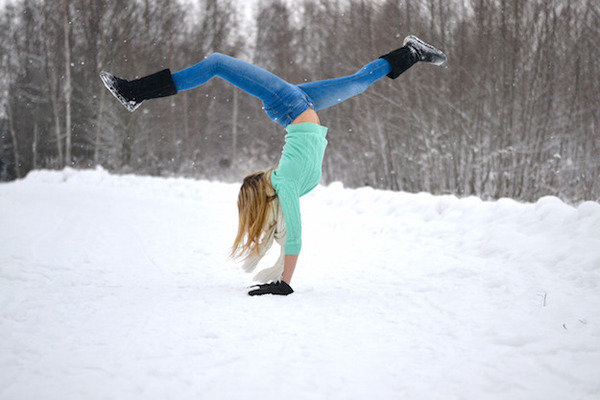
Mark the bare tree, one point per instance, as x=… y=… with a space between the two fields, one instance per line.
x=514 y=113
x=68 y=89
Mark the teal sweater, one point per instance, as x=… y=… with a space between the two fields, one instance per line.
x=298 y=173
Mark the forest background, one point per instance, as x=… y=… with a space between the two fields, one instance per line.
x=514 y=113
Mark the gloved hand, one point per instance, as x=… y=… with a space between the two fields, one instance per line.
x=279 y=288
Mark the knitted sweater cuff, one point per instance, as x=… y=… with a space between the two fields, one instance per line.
x=292 y=248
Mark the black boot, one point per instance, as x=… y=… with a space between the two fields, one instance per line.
x=400 y=59
x=413 y=51
x=132 y=93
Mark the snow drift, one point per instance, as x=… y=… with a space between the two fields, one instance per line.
x=120 y=287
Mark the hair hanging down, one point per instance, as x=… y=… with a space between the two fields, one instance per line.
x=255 y=204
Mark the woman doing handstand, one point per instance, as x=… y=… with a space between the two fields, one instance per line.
x=268 y=201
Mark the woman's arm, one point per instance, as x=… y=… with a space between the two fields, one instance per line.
x=291 y=259
x=288 y=267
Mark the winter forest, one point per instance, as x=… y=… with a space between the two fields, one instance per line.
x=514 y=113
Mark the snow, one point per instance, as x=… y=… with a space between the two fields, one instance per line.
x=117 y=287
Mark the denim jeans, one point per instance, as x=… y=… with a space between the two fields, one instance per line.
x=282 y=101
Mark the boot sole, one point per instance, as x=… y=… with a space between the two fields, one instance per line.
x=416 y=42
x=109 y=81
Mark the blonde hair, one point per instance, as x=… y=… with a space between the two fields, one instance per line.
x=255 y=204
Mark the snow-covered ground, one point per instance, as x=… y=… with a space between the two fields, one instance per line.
x=119 y=287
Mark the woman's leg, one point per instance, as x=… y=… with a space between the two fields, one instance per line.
x=329 y=92
x=250 y=78
x=282 y=101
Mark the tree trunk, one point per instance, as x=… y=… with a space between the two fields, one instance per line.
x=57 y=132
x=98 y=125
x=100 y=37
x=68 y=88
x=234 y=125
x=34 y=145
x=13 y=135
x=53 y=91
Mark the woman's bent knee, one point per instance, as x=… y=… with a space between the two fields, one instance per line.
x=216 y=58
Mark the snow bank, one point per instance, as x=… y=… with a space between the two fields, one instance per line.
x=120 y=287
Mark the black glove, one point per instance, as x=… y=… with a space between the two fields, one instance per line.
x=280 y=288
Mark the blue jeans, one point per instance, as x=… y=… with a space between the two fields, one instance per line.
x=282 y=101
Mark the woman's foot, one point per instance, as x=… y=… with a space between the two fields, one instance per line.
x=425 y=52
x=132 y=93
x=120 y=89
x=413 y=51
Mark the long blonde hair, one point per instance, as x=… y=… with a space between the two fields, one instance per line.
x=255 y=203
